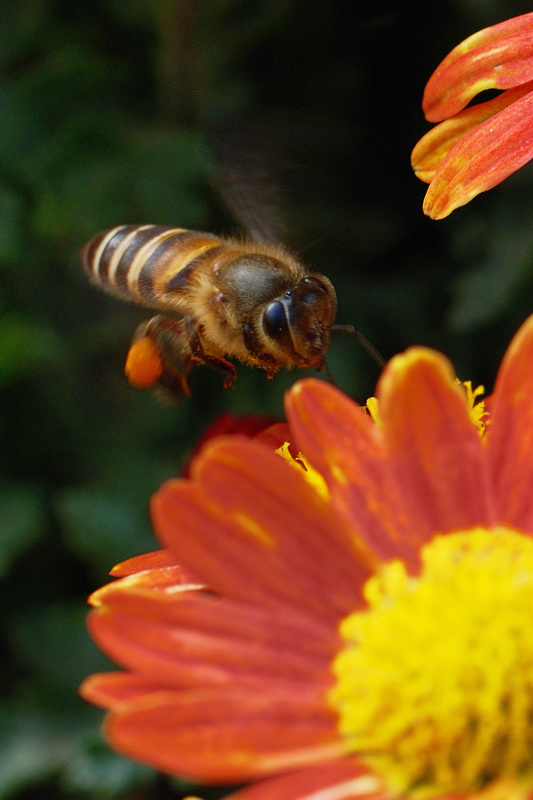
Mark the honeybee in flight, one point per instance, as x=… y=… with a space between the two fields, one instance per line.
x=251 y=301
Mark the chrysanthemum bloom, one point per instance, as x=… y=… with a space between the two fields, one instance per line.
x=362 y=632
x=476 y=148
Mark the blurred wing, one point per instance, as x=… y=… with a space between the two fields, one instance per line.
x=250 y=177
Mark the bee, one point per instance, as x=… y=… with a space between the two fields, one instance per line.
x=246 y=300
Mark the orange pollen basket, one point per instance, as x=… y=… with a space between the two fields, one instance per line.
x=143 y=364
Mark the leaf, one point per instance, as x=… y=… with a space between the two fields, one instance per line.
x=22 y=522
x=53 y=643
x=483 y=294
x=26 y=347
x=168 y=176
x=34 y=746
x=100 y=528
x=20 y=23
x=97 y=771
x=11 y=226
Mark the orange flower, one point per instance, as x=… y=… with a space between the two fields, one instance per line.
x=369 y=640
x=476 y=148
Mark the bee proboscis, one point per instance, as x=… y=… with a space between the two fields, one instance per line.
x=250 y=301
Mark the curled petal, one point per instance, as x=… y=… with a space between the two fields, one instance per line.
x=154 y=560
x=435 y=145
x=164 y=579
x=499 y=57
x=482 y=159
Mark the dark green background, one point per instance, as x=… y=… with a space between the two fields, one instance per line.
x=109 y=113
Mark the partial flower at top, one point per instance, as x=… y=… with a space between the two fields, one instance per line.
x=476 y=148
x=367 y=635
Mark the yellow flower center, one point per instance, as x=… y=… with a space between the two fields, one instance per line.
x=434 y=684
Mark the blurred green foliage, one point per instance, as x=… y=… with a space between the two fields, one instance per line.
x=108 y=114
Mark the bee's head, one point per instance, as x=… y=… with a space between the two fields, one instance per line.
x=299 y=321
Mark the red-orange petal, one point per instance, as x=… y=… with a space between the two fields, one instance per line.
x=252 y=527
x=435 y=450
x=196 y=640
x=171 y=579
x=276 y=435
x=107 y=689
x=346 y=447
x=154 y=560
x=435 y=145
x=499 y=57
x=343 y=779
x=510 y=441
x=241 y=737
x=225 y=424
x=482 y=159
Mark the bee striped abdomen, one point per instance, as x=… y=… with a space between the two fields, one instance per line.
x=148 y=263
x=230 y=298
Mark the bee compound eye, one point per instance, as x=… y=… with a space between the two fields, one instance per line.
x=310 y=291
x=275 y=321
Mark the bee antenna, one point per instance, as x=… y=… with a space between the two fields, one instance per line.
x=361 y=338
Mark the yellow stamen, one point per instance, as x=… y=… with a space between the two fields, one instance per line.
x=310 y=473
x=476 y=410
x=372 y=406
x=435 y=681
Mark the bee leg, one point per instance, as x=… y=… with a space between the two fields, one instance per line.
x=159 y=356
x=264 y=360
x=198 y=354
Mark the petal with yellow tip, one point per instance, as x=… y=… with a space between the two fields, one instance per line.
x=482 y=159
x=434 y=146
x=434 y=447
x=499 y=57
